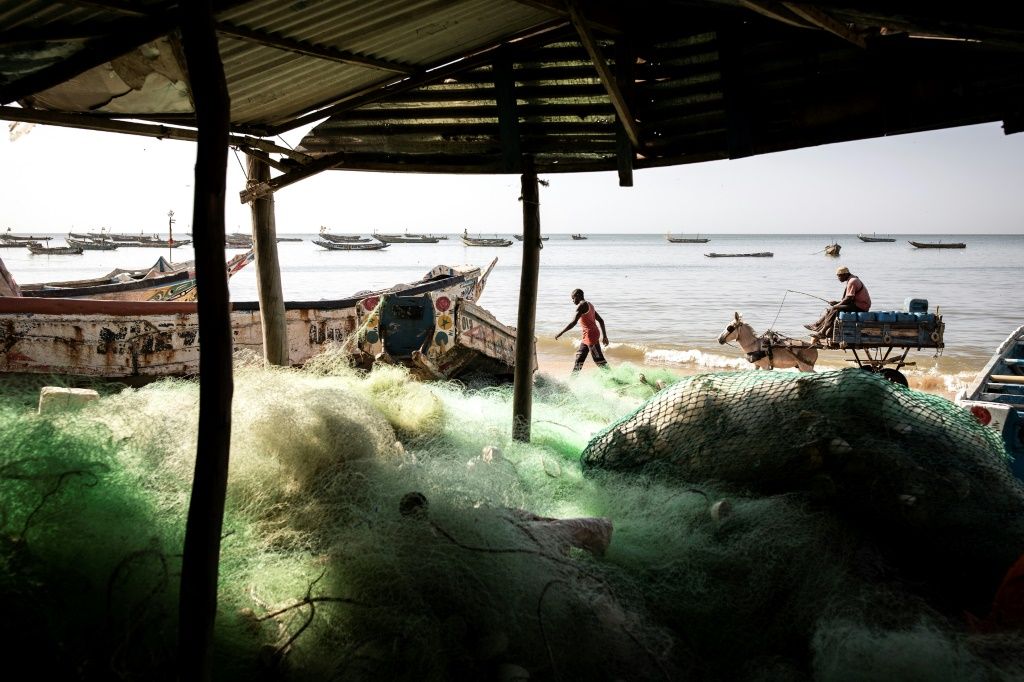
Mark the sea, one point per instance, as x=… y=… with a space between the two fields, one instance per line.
x=664 y=304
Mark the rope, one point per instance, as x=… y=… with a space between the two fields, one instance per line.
x=771 y=327
x=240 y=165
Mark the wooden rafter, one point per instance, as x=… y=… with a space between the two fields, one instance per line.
x=104 y=124
x=604 y=72
x=557 y=8
x=309 y=49
x=826 y=22
x=118 y=6
x=776 y=12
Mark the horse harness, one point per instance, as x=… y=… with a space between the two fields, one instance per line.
x=766 y=343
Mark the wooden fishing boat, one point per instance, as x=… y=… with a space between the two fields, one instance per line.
x=119 y=237
x=40 y=250
x=341 y=238
x=996 y=396
x=90 y=245
x=760 y=254
x=938 y=245
x=577 y=236
x=687 y=240
x=832 y=249
x=344 y=246
x=10 y=243
x=163 y=281
x=485 y=241
x=519 y=238
x=434 y=326
x=873 y=238
x=8 y=236
x=406 y=238
x=289 y=239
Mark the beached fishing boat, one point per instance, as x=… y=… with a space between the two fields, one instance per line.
x=687 y=240
x=938 y=245
x=832 y=249
x=91 y=245
x=164 y=281
x=406 y=238
x=40 y=250
x=434 y=326
x=760 y=254
x=873 y=238
x=577 y=236
x=346 y=246
x=996 y=396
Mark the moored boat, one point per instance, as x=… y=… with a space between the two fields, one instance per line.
x=996 y=396
x=832 y=249
x=7 y=236
x=938 y=245
x=341 y=238
x=519 y=238
x=346 y=246
x=484 y=241
x=759 y=254
x=90 y=245
x=407 y=238
x=577 y=236
x=687 y=240
x=873 y=238
x=434 y=326
x=40 y=250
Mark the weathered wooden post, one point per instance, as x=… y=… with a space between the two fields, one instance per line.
x=522 y=394
x=201 y=556
x=268 y=269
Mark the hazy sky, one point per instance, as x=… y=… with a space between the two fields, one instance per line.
x=963 y=180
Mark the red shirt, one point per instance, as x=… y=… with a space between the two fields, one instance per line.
x=588 y=321
x=856 y=288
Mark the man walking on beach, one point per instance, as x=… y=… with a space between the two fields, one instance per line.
x=588 y=318
x=855 y=299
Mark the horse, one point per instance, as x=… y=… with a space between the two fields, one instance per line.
x=769 y=350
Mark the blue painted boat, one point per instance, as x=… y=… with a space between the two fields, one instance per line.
x=996 y=396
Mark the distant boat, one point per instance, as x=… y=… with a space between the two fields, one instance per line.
x=40 y=250
x=577 y=236
x=484 y=241
x=90 y=245
x=406 y=238
x=7 y=236
x=342 y=246
x=873 y=238
x=289 y=239
x=832 y=249
x=939 y=245
x=760 y=254
x=519 y=237
x=687 y=240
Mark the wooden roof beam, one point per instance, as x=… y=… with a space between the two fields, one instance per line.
x=118 y=6
x=826 y=22
x=160 y=132
x=309 y=49
x=775 y=11
x=605 y=24
x=604 y=72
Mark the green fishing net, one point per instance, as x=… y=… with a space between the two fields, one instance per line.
x=381 y=528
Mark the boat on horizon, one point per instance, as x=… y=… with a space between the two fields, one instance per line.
x=687 y=240
x=938 y=245
x=519 y=238
x=577 y=236
x=38 y=249
x=405 y=238
x=9 y=236
x=351 y=246
x=759 y=254
x=873 y=238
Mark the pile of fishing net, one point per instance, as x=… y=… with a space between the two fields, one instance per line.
x=917 y=469
x=380 y=528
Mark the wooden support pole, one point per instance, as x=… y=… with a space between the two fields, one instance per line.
x=522 y=392
x=268 y=270
x=198 y=598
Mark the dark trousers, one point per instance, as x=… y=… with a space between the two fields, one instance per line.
x=593 y=349
x=824 y=324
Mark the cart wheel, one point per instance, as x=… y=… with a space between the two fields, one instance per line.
x=895 y=376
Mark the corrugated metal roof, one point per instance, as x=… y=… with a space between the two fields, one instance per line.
x=706 y=78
